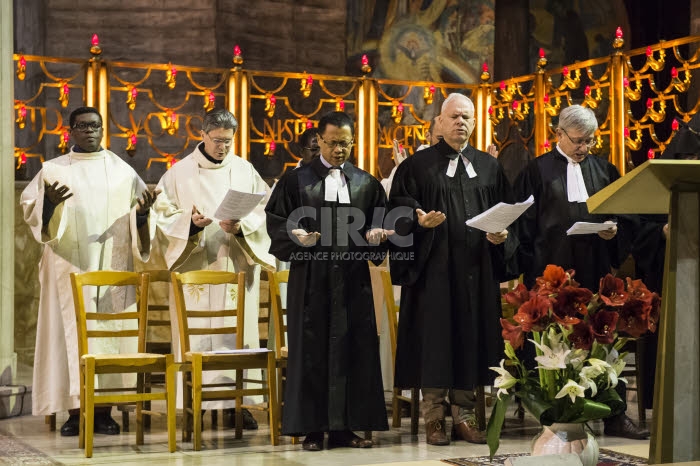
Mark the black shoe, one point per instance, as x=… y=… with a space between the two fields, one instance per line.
x=104 y=424
x=622 y=426
x=313 y=441
x=347 y=439
x=249 y=422
x=71 y=428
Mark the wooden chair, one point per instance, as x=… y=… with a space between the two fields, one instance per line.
x=138 y=363
x=155 y=320
x=279 y=325
x=397 y=397
x=239 y=359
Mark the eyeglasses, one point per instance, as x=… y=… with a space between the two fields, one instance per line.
x=344 y=145
x=82 y=126
x=220 y=142
x=588 y=142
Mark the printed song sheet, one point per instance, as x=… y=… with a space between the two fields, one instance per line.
x=587 y=228
x=498 y=217
x=237 y=205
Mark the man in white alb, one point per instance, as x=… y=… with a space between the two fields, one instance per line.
x=84 y=207
x=190 y=239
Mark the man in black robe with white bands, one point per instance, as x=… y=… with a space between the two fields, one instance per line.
x=561 y=181
x=449 y=332
x=326 y=219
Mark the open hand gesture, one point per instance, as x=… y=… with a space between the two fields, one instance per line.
x=198 y=219
x=147 y=200
x=57 y=194
x=399 y=153
x=431 y=219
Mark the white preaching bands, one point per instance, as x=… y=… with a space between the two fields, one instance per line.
x=575 y=186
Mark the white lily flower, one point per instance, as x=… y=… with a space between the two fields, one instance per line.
x=588 y=383
x=577 y=358
x=550 y=359
x=572 y=389
x=617 y=363
x=504 y=381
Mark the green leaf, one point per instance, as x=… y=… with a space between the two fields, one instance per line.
x=535 y=405
x=493 y=430
x=611 y=398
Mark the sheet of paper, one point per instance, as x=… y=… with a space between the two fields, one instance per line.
x=236 y=205
x=587 y=228
x=498 y=217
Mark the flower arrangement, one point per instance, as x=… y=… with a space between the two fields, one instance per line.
x=577 y=337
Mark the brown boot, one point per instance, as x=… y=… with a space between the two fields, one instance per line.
x=469 y=431
x=435 y=433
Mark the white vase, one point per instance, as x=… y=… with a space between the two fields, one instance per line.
x=562 y=438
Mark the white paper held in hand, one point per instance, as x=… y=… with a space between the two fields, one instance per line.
x=499 y=217
x=587 y=228
x=236 y=205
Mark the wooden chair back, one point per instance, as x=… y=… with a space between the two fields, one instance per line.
x=200 y=278
x=279 y=311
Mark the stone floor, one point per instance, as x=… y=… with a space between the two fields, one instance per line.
x=395 y=446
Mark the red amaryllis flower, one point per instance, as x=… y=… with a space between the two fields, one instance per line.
x=653 y=318
x=612 y=291
x=603 y=324
x=532 y=315
x=513 y=333
x=518 y=296
x=633 y=317
x=570 y=304
x=637 y=289
x=551 y=280
x=582 y=336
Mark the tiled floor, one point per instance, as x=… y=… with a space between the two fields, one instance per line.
x=219 y=447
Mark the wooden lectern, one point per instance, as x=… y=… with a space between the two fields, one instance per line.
x=673 y=187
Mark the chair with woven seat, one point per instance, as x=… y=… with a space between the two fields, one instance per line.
x=237 y=359
x=397 y=397
x=94 y=324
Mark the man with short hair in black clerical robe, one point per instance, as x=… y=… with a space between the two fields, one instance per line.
x=326 y=219
x=561 y=181
x=449 y=332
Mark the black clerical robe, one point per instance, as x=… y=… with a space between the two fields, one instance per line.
x=449 y=332
x=334 y=379
x=542 y=228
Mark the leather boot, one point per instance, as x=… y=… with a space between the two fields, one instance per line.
x=435 y=433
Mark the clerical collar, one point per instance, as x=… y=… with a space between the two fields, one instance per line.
x=79 y=150
x=328 y=165
x=207 y=156
x=568 y=159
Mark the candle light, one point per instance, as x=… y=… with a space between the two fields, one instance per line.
x=95 y=40
x=674 y=125
x=485 y=67
x=650 y=154
x=674 y=72
x=541 y=53
x=618 y=33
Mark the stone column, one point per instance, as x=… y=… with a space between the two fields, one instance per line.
x=8 y=357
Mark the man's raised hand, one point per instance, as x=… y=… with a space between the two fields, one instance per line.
x=146 y=201
x=56 y=194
